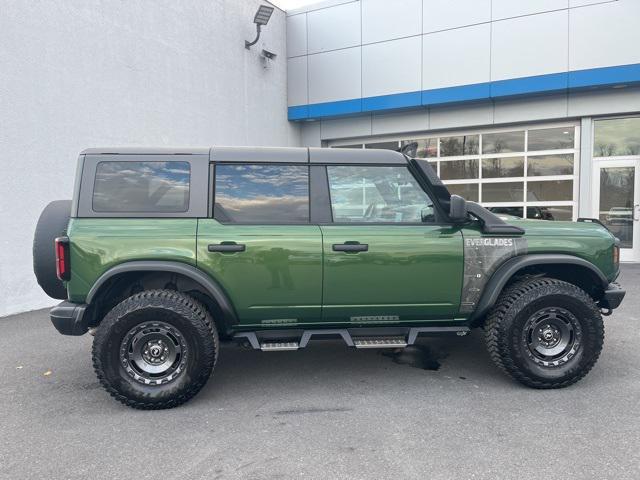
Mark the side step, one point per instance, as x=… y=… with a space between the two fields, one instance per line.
x=365 y=339
x=380 y=342
x=278 y=346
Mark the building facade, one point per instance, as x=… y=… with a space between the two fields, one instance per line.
x=531 y=108
x=79 y=74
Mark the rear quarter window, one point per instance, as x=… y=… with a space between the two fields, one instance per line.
x=142 y=187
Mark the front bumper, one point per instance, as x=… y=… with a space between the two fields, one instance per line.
x=612 y=297
x=69 y=318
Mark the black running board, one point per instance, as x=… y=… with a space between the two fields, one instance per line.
x=271 y=341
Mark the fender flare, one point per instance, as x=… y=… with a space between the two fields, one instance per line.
x=502 y=275
x=212 y=287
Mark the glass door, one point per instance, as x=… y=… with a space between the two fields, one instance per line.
x=617 y=203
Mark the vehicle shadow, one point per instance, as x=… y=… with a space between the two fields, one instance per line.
x=333 y=365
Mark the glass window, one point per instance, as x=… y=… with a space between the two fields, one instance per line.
x=377 y=194
x=550 y=165
x=550 y=191
x=513 y=211
x=426 y=148
x=503 y=142
x=462 y=145
x=503 y=167
x=503 y=192
x=262 y=193
x=348 y=146
x=468 y=191
x=617 y=185
x=158 y=187
x=551 y=138
x=458 y=169
x=550 y=213
x=383 y=145
x=618 y=136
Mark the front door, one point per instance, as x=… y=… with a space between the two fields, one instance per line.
x=385 y=258
x=616 y=187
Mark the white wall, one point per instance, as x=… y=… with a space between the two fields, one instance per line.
x=83 y=73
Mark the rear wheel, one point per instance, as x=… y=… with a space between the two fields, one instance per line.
x=155 y=349
x=545 y=333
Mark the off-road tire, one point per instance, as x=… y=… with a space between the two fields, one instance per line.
x=175 y=310
x=53 y=223
x=507 y=340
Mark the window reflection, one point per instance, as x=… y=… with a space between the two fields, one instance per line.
x=468 y=191
x=503 y=142
x=616 y=137
x=458 y=169
x=513 y=211
x=262 y=193
x=551 y=138
x=550 y=165
x=503 y=167
x=383 y=145
x=503 y=192
x=550 y=191
x=427 y=147
x=617 y=185
x=561 y=213
x=159 y=187
x=377 y=194
x=461 y=145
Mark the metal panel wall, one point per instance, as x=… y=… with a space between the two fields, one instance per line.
x=334 y=75
x=385 y=20
x=604 y=35
x=446 y=14
x=456 y=57
x=528 y=46
x=471 y=50
x=501 y=9
x=335 y=27
x=381 y=63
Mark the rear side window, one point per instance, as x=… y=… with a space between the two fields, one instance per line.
x=142 y=187
x=261 y=193
x=377 y=194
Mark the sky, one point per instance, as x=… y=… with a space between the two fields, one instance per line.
x=290 y=4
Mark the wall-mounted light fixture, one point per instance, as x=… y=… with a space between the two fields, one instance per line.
x=262 y=18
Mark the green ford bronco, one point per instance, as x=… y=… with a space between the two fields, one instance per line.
x=164 y=253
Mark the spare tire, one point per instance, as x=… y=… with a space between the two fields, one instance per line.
x=53 y=223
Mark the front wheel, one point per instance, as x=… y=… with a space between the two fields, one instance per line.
x=545 y=333
x=155 y=349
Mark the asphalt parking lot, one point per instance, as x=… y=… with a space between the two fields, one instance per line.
x=440 y=411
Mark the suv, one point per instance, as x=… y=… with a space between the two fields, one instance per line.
x=164 y=253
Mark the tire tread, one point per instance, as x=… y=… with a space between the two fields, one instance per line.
x=497 y=323
x=205 y=327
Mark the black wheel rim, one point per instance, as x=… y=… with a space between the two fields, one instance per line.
x=552 y=336
x=153 y=353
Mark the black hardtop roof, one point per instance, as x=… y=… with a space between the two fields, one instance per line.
x=264 y=154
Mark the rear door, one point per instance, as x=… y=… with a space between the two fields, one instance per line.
x=260 y=246
x=386 y=259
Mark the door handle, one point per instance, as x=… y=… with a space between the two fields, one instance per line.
x=635 y=210
x=350 y=247
x=227 y=247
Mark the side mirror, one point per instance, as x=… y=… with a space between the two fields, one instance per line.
x=458 y=209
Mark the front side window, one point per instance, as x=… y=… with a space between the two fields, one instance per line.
x=377 y=194
x=142 y=187
x=265 y=194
